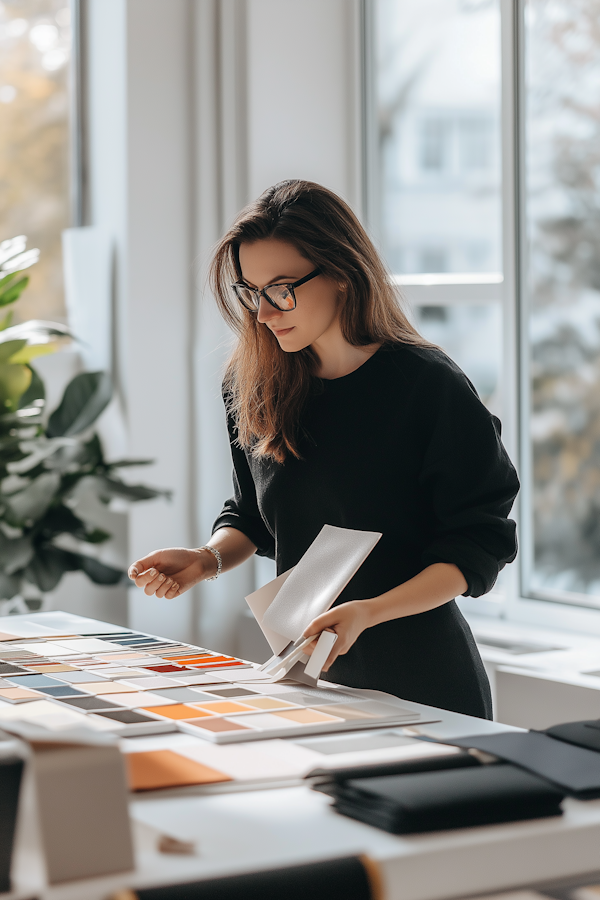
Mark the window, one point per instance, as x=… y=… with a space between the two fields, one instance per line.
x=476 y=146
x=438 y=107
x=562 y=431
x=442 y=210
x=34 y=141
x=434 y=145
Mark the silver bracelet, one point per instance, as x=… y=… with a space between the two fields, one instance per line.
x=218 y=558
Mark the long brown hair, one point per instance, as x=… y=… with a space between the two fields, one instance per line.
x=267 y=387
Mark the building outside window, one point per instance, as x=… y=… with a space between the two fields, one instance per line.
x=459 y=101
x=562 y=287
x=35 y=45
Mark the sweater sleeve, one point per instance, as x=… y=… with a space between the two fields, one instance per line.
x=470 y=482
x=241 y=510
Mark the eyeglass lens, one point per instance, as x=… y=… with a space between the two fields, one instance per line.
x=279 y=294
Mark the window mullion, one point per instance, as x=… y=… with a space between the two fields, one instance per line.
x=514 y=386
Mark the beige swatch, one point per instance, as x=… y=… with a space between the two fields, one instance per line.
x=104 y=687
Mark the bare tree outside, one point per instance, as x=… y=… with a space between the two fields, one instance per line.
x=34 y=142
x=563 y=201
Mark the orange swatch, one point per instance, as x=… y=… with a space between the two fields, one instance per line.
x=176 y=711
x=156 y=769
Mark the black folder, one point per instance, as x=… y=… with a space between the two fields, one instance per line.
x=11 y=770
x=453 y=798
x=574 y=770
x=330 y=879
x=582 y=734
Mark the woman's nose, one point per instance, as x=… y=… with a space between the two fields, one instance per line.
x=266 y=312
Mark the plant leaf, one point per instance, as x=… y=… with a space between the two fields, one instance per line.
x=12 y=289
x=28 y=353
x=33 y=501
x=85 y=397
x=14 y=381
x=48 y=566
x=9 y=348
x=95 y=536
x=35 y=391
x=61 y=520
x=9 y=586
x=5 y=322
x=35 y=331
x=12 y=247
x=122 y=463
x=98 y=572
x=38 y=451
x=15 y=555
x=108 y=488
x=14 y=260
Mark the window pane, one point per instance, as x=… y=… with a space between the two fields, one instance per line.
x=438 y=104
x=34 y=142
x=563 y=206
x=471 y=334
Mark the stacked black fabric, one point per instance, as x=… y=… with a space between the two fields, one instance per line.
x=453 y=798
x=534 y=771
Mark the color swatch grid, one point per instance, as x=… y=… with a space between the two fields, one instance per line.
x=134 y=685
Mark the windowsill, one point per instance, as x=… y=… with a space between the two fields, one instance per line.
x=572 y=651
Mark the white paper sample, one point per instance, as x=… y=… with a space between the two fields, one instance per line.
x=259 y=602
x=318 y=579
x=319 y=655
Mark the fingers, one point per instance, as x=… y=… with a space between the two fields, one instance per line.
x=154 y=582
x=168 y=588
x=325 y=621
x=335 y=652
x=142 y=565
x=309 y=649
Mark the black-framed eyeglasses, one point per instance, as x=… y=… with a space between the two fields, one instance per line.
x=281 y=296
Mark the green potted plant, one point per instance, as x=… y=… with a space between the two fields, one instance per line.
x=45 y=461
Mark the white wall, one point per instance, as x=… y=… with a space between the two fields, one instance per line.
x=194 y=107
x=304 y=94
x=138 y=105
x=284 y=104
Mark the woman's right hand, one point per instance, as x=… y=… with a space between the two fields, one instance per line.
x=168 y=573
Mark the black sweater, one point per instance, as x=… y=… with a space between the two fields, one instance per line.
x=404 y=446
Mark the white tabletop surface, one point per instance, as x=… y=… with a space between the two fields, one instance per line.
x=251 y=830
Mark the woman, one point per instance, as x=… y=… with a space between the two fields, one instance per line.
x=340 y=413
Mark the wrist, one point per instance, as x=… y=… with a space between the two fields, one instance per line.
x=210 y=562
x=374 y=611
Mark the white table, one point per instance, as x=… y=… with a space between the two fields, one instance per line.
x=252 y=830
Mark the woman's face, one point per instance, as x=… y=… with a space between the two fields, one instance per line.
x=271 y=261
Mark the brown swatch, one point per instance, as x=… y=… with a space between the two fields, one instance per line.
x=156 y=769
x=216 y=725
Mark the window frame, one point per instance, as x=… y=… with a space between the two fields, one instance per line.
x=571 y=612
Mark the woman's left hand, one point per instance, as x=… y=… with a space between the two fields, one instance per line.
x=348 y=620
